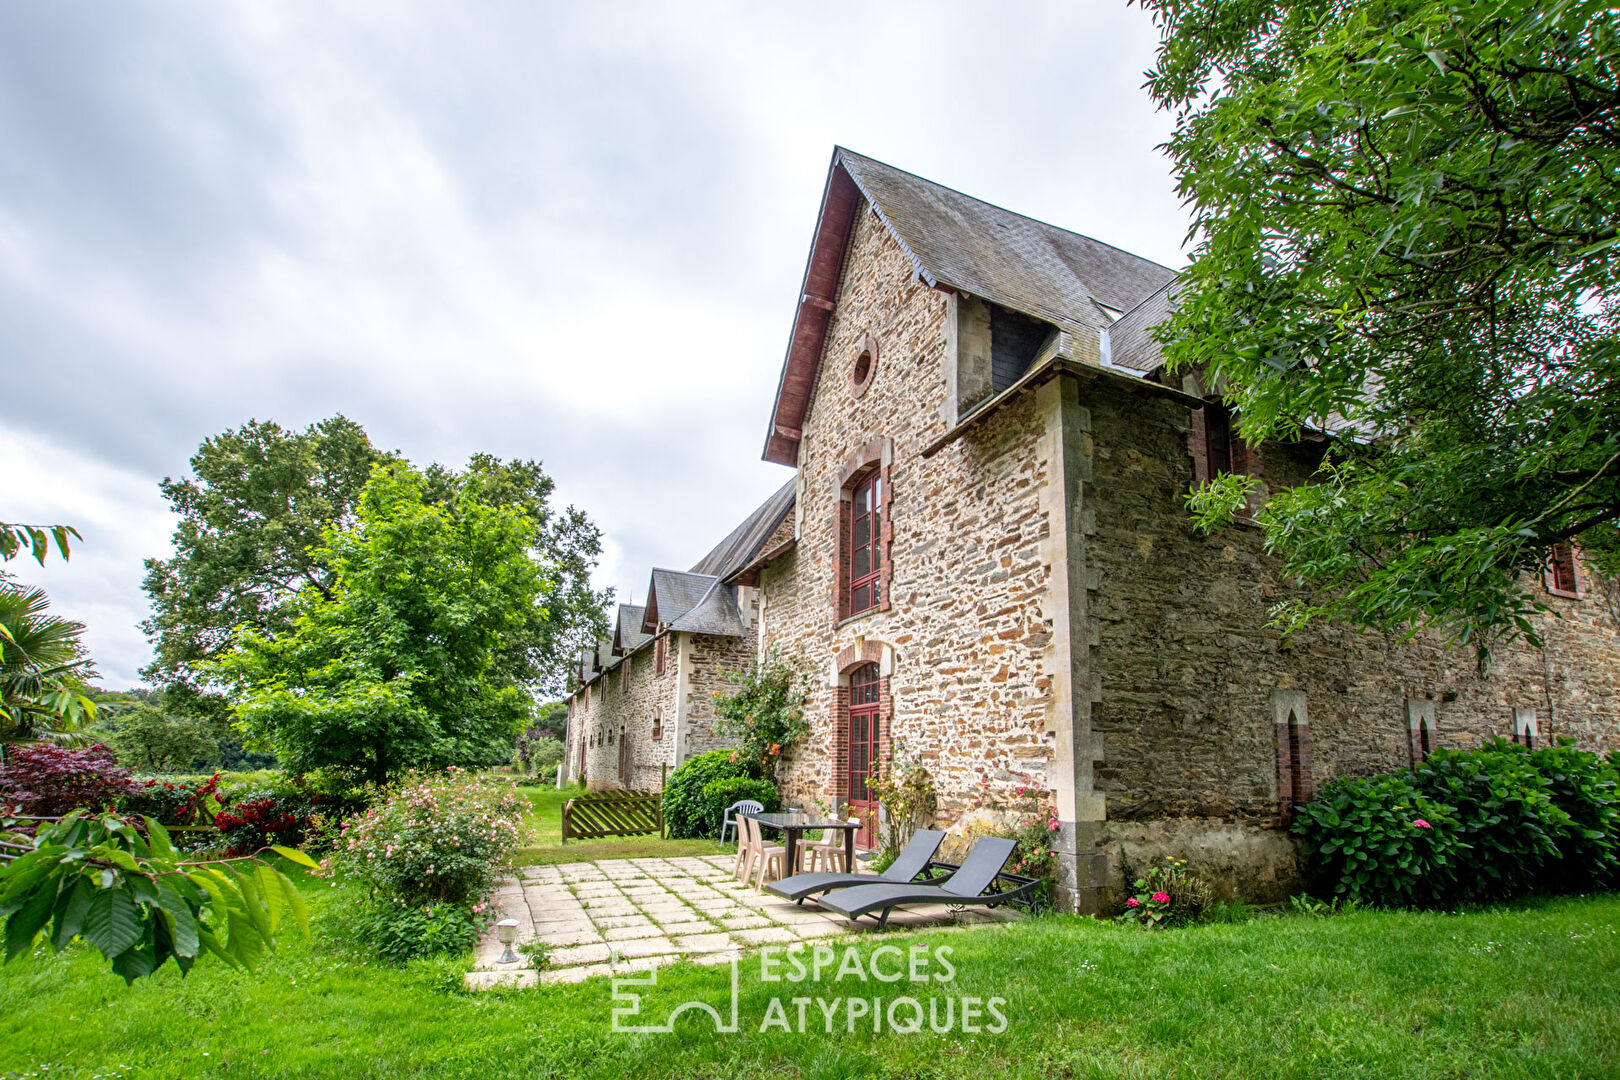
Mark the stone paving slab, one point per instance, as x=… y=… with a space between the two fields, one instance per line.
x=622 y=915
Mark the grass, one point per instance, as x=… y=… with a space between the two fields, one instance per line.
x=1532 y=991
x=545 y=819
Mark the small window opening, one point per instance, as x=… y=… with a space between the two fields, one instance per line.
x=1561 y=569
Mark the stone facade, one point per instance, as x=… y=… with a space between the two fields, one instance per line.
x=635 y=729
x=1049 y=619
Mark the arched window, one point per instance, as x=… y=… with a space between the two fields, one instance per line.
x=864 y=736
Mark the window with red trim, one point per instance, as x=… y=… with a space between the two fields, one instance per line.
x=1561 y=570
x=660 y=654
x=866 y=544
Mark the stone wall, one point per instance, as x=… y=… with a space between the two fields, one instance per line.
x=1190 y=677
x=966 y=641
x=626 y=709
x=625 y=712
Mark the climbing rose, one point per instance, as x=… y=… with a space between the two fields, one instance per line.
x=1161 y=898
x=1133 y=902
x=1421 y=824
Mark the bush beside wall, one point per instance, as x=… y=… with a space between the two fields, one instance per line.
x=1470 y=826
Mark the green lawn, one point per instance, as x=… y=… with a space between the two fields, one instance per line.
x=1527 y=992
x=546 y=821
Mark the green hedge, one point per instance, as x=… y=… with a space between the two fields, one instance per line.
x=685 y=808
x=1468 y=826
x=719 y=794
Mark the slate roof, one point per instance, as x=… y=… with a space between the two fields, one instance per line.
x=627 y=635
x=955 y=241
x=1130 y=338
x=715 y=613
x=735 y=551
x=1016 y=261
x=671 y=594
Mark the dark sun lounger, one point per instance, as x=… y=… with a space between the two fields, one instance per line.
x=966 y=886
x=913 y=860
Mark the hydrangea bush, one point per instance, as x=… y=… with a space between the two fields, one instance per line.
x=435 y=838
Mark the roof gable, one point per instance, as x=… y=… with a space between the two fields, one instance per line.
x=954 y=241
x=671 y=594
x=627 y=634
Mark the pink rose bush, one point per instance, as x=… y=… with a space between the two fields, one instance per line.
x=435 y=838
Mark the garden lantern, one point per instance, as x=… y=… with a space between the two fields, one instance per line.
x=506 y=931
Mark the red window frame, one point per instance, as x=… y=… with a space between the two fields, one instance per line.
x=866 y=544
x=1561 y=576
x=660 y=654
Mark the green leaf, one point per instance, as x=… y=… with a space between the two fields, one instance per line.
x=71 y=910
x=296 y=856
x=112 y=923
x=25 y=923
x=181 y=922
x=295 y=904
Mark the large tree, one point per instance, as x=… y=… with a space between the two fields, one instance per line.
x=394 y=664
x=252 y=518
x=1406 y=216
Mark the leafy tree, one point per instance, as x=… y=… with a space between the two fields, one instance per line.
x=1407 y=231
x=252 y=517
x=43 y=668
x=573 y=616
x=394 y=664
x=147 y=738
x=552 y=719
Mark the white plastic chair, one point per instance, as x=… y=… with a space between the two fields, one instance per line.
x=742 y=806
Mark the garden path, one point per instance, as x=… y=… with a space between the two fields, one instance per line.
x=621 y=915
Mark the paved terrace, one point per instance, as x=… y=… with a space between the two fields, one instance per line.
x=630 y=914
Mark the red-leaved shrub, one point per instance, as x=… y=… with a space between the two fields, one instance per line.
x=46 y=780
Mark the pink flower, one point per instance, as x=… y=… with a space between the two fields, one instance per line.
x=1133 y=902
x=1161 y=898
x=1421 y=824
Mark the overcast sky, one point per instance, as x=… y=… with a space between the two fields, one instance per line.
x=572 y=232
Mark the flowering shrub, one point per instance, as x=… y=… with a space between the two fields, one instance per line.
x=173 y=802
x=1026 y=816
x=260 y=819
x=1366 y=842
x=1168 y=894
x=766 y=712
x=436 y=838
x=46 y=780
x=288 y=810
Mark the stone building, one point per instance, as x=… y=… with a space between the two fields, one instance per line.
x=985 y=564
x=644 y=701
